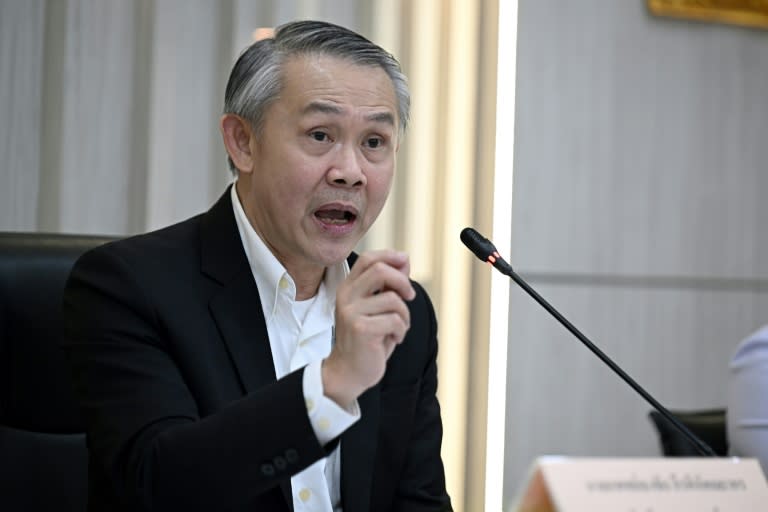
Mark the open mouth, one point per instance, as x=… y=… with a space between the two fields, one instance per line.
x=335 y=216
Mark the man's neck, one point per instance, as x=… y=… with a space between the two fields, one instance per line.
x=307 y=283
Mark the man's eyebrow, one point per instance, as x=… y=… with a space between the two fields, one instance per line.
x=322 y=108
x=329 y=108
x=381 y=117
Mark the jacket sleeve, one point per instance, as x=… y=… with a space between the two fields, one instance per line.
x=421 y=486
x=143 y=424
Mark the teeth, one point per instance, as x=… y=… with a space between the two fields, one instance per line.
x=335 y=216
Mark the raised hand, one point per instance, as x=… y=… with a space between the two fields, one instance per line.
x=372 y=318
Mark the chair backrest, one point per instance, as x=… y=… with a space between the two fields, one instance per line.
x=708 y=425
x=43 y=457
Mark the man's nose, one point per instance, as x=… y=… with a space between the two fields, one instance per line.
x=346 y=167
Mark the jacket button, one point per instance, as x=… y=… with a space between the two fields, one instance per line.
x=280 y=463
x=268 y=470
x=291 y=455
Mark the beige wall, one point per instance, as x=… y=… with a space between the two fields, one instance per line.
x=640 y=168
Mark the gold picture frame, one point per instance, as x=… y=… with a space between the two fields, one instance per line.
x=751 y=13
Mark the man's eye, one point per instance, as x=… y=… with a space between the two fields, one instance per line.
x=374 y=142
x=319 y=136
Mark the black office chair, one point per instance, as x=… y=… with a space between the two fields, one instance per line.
x=708 y=425
x=43 y=457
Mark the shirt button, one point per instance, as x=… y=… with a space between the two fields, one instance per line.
x=305 y=494
x=283 y=284
x=310 y=404
x=323 y=424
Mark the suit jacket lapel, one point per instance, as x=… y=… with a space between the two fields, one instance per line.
x=236 y=308
x=358 y=452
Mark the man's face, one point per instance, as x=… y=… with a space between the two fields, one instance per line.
x=323 y=161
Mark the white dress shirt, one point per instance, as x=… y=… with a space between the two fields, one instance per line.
x=300 y=334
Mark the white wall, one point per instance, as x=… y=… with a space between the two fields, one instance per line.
x=641 y=162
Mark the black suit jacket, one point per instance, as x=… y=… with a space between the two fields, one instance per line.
x=173 y=367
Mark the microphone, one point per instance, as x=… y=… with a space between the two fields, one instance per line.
x=485 y=251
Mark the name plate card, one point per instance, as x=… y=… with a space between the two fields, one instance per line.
x=565 y=484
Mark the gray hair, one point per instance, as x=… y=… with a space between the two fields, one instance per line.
x=256 y=79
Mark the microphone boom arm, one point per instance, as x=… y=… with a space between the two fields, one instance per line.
x=484 y=250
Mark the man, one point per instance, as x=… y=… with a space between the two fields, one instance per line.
x=245 y=359
x=747 y=402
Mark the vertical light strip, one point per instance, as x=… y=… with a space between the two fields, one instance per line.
x=162 y=118
x=308 y=9
x=421 y=157
x=385 y=27
x=456 y=212
x=502 y=236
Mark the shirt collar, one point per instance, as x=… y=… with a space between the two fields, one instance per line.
x=268 y=272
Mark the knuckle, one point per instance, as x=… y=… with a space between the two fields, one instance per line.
x=392 y=298
x=379 y=267
x=365 y=259
x=358 y=325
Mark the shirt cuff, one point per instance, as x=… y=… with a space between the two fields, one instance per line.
x=328 y=419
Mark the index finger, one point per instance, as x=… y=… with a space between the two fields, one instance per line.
x=376 y=271
x=396 y=259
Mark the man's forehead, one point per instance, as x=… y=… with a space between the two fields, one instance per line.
x=377 y=114
x=336 y=86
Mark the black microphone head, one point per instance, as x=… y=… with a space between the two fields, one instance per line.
x=477 y=243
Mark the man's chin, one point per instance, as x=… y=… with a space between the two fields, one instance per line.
x=333 y=254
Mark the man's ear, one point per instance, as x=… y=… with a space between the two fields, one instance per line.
x=237 y=134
